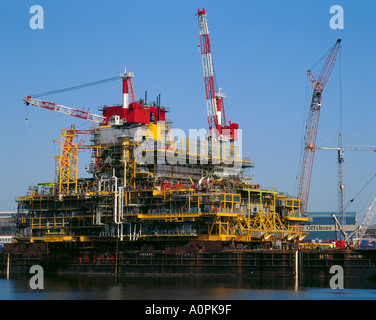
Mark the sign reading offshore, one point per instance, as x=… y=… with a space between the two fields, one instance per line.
x=308 y=228
x=323 y=227
x=318 y=228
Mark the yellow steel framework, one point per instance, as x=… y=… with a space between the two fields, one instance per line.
x=221 y=209
x=66 y=162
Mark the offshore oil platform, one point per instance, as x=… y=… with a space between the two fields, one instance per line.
x=154 y=194
x=150 y=183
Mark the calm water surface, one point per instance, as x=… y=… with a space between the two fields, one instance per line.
x=184 y=288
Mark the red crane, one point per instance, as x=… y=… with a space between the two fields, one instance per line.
x=86 y=115
x=82 y=114
x=214 y=98
x=130 y=111
x=313 y=122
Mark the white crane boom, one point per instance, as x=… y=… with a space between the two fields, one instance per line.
x=360 y=231
x=66 y=110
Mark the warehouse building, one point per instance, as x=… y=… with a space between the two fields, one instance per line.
x=321 y=225
x=7 y=223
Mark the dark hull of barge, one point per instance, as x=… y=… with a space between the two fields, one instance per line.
x=193 y=259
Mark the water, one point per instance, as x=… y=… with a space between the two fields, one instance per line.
x=182 y=288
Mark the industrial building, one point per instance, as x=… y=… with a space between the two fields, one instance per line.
x=8 y=225
x=321 y=225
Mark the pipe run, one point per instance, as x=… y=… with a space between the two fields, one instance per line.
x=118 y=209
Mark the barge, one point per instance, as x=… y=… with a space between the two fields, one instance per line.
x=195 y=259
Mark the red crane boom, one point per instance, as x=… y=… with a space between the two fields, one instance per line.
x=214 y=98
x=312 y=126
x=82 y=114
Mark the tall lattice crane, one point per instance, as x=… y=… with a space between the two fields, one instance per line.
x=214 y=98
x=312 y=126
x=341 y=172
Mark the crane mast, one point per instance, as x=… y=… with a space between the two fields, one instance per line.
x=341 y=172
x=127 y=88
x=312 y=126
x=214 y=98
x=208 y=68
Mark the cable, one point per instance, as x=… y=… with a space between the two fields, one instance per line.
x=26 y=116
x=75 y=87
x=352 y=200
x=354 y=135
x=322 y=58
x=340 y=90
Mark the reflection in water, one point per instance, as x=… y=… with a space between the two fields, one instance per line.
x=181 y=288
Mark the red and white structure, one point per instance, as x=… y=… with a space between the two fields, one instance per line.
x=214 y=98
x=82 y=114
x=127 y=88
x=312 y=126
x=130 y=111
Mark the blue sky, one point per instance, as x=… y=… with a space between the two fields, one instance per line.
x=261 y=50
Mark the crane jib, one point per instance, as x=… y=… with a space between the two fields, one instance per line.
x=312 y=126
x=82 y=114
x=214 y=98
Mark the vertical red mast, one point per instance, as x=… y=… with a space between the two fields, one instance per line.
x=214 y=98
x=127 y=88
